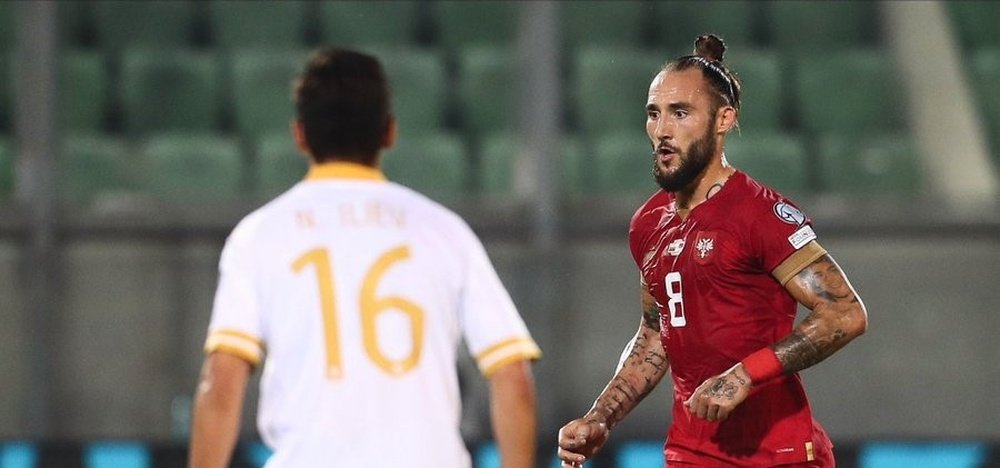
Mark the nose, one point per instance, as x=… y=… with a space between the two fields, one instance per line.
x=661 y=129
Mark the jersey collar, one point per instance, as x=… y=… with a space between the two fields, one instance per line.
x=344 y=170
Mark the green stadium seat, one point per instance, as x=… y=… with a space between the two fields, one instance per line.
x=975 y=22
x=806 y=26
x=602 y=23
x=778 y=160
x=6 y=92
x=498 y=152
x=678 y=23
x=354 y=22
x=852 y=91
x=240 y=24
x=433 y=164
x=611 y=87
x=764 y=89
x=986 y=75
x=84 y=89
x=418 y=78
x=6 y=169
x=93 y=165
x=279 y=165
x=262 y=89
x=487 y=90
x=623 y=164
x=188 y=168
x=460 y=23
x=149 y=23
x=170 y=90
x=886 y=164
x=8 y=30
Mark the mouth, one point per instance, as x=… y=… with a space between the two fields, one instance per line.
x=664 y=153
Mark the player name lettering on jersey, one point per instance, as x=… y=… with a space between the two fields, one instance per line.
x=371 y=214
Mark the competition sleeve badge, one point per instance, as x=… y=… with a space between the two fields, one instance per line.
x=704 y=247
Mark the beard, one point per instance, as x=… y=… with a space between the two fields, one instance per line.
x=692 y=162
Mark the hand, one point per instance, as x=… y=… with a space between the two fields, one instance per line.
x=580 y=439
x=718 y=396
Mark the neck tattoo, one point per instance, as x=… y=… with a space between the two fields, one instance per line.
x=716 y=187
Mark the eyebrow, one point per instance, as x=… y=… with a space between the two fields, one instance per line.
x=682 y=105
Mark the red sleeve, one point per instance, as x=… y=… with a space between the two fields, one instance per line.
x=778 y=229
x=643 y=223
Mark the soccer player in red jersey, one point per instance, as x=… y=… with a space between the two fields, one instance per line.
x=724 y=260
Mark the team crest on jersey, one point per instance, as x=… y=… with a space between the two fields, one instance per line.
x=675 y=247
x=704 y=247
x=789 y=213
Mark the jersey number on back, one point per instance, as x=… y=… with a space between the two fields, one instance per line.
x=371 y=307
x=675 y=302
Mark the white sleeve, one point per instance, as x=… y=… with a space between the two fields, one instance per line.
x=494 y=332
x=235 y=327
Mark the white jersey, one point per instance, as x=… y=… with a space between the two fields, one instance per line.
x=358 y=291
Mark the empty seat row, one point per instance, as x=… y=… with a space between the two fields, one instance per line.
x=206 y=167
x=249 y=92
x=789 y=25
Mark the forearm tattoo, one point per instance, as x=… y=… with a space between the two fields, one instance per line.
x=822 y=332
x=644 y=366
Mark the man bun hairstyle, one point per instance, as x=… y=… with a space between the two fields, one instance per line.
x=342 y=101
x=709 y=51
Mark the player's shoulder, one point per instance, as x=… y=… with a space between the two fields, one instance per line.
x=651 y=211
x=757 y=199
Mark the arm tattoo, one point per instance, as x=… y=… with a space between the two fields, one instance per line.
x=644 y=366
x=824 y=330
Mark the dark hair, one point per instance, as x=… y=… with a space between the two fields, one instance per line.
x=708 y=53
x=342 y=101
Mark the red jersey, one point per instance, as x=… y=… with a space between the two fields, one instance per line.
x=711 y=275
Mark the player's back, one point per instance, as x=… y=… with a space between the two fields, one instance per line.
x=359 y=284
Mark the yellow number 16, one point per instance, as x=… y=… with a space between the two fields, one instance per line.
x=370 y=305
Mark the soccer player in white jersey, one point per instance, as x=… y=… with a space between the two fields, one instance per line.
x=353 y=294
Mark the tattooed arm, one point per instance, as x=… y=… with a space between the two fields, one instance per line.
x=643 y=364
x=836 y=317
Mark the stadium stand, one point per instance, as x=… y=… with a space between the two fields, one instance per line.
x=735 y=21
x=602 y=23
x=278 y=164
x=8 y=32
x=84 y=89
x=610 y=87
x=170 y=90
x=760 y=71
x=776 y=159
x=975 y=23
x=461 y=23
x=435 y=164
x=117 y=454
x=6 y=169
x=187 y=168
x=18 y=454
x=419 y=81
x=487 y=89
x=986 y=74
x=261 y=86
x=364 y=22
x=884 y=164
x=90 y=165
x=623 y=164
x=151 y=23
x=240 y=24
x=498 y=152
x=849 y=91
x=807 y=26
x=6 y=93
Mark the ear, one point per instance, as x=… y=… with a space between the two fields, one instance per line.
x=391 y=133
x=299 y=135
x=725 y=119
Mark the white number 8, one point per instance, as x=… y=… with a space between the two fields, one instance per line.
x=676 y=301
